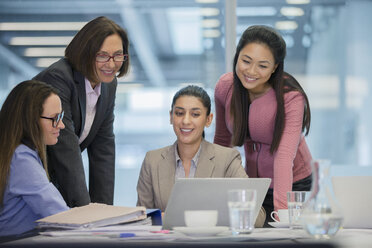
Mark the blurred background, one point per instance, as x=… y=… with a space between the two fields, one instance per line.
x=180 y=42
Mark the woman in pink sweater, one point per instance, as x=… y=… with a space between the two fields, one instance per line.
x=260 y=106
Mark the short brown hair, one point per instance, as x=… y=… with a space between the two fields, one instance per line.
x=82 y=50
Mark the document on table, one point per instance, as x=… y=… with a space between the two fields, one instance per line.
x=117 y=231
x=123 y=232
x=93 y=215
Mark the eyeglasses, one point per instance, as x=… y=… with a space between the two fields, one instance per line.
x=55 y=120
x=103 y=58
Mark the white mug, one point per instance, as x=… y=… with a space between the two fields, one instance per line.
x=282 y=214
x=201 y=218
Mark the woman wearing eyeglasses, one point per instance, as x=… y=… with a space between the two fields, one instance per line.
x=30 y=118
x=86 y=80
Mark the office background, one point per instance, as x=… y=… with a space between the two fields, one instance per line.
x=179 y=42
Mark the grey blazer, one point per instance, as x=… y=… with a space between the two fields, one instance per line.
x=64 y=159
x=157 y=174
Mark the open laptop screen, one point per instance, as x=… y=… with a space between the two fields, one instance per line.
x=209 y=194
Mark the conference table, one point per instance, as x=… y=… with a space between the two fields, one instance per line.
x=152 y=236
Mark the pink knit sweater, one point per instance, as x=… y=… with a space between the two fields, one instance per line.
x=291 y=161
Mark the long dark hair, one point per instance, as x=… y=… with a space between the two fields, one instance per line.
x=19 y=123
x=280 y=81
x=196 y=91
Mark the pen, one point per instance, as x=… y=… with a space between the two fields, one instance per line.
x=126 y=235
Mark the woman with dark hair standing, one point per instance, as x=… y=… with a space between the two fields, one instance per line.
x=30 y=119
x=190 y=156
x=86 y=80
x=260 y=106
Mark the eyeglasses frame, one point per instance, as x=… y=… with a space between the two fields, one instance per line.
x=112 y=57
x=55 y=120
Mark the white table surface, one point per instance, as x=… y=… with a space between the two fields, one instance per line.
x=345 y=238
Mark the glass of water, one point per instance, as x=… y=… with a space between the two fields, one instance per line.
x=296 y=200
x=242 y=204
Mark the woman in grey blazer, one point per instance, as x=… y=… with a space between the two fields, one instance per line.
x=86 y=80
x=190 y=156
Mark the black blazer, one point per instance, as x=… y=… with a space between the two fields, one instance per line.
x=64 y=159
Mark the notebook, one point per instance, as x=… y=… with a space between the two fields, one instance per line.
x=92 y=215
x=209 y=194
x=354 y=193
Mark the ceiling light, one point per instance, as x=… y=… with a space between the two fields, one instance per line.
x=41 y=41
x=209 y=11
x=45 y=62
x=45 y=52
x=41 y=26
x=211 y=33
x=206 y=1
x=298 y=1
x=286 y=25
x=292 y=11
x=210 y=23
x=256 y=11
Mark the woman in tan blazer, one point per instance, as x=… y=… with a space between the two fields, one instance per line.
x=190 y=156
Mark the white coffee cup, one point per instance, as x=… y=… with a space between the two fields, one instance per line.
x=201 y=218
x=282 y=214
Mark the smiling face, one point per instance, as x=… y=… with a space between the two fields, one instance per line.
x=106 y=71
x=51 y=108
x=254 y=67
x=189 y=117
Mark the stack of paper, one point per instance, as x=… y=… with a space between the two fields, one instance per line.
x=93 y=215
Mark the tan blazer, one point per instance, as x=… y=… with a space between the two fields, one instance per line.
x=158 y=170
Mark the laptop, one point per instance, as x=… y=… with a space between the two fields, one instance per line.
x=355 y=197
x=209 y=194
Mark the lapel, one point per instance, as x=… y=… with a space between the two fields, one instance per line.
x=80 y=86
x=166 y=173
x=206 y=163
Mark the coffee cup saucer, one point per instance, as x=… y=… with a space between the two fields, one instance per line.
x=279 y=224
x=201 y=231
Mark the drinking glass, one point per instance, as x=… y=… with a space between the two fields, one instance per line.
x=242 y=204
x=295 y=201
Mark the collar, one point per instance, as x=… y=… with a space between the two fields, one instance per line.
x=194 y=159
x=90 y=90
